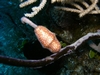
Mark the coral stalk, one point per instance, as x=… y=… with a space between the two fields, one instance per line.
x=50 y=59
x=46 y=37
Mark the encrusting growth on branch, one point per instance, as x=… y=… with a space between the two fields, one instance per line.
x=49 y=59
x=46 y=38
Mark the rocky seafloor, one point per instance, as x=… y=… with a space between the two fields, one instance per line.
x=19 y=41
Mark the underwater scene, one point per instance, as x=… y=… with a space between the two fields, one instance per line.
x=49 y=37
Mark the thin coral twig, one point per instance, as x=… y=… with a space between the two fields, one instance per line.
x=50 y=59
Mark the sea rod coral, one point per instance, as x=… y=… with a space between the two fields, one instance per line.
x=34 y=9
x=52 y=58
x=89 y=8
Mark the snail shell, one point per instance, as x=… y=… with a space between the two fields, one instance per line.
x=47 y=39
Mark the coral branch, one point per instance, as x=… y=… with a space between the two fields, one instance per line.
x=94 y=46
x=50 y=59
x=27 y=21
x=90 y=9
x=35 y=10
x=26 y=3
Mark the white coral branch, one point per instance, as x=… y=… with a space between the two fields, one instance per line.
x=90 y=9
x=35 y=10
x=26 y=3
